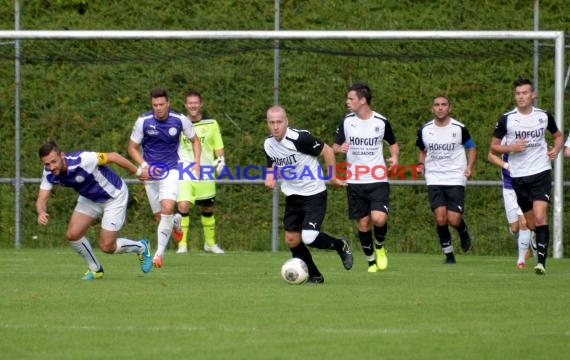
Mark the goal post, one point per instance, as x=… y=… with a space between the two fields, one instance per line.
x=556 y=36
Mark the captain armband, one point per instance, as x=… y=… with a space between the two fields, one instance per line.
x=101 y=158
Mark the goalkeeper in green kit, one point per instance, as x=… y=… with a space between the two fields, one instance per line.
x=201 y=193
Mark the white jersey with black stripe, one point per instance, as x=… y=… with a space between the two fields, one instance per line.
x=295 y=156
x=365 y=138
x=445 y=160
x=531 y=127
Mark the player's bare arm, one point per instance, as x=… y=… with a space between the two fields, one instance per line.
x=197 y=149
x=471 y=158
x=270 y=180
x=394 y=154
x=496 y=160
x=328 y=155
x=41 y=206
x=116 y=158
x=517 y=146
x=421 y=160
x=558 y=143
x=340 y=149
x=135 y=153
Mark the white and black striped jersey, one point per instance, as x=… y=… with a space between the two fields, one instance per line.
x=295 y=156
x=365 y=138
x=445 y=160
x=513 y=126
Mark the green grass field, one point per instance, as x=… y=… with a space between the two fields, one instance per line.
x=235 y=306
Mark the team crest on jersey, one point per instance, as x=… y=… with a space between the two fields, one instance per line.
x=377 y=129
x=454 y=134
x=541 y=120
x=79 y=179
x=172 y=131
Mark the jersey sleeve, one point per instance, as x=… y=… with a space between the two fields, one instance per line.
x=389 y=136
x=187 y=127
x=500 y=128
x=89 y=161
x=552 y=127
x=339 y=136
x=419 y=140
x=217 y=143
x=45 y=184
x=137 y=132
x=268 y=160
x=466 y=138
x=308 y=144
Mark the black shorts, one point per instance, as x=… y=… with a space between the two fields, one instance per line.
x=532 y=188
x=450 y=196
x=363 y=198
x=305 y=212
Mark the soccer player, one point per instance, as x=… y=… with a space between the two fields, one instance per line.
x=101 y=192
x=529 y=160
x=361 y=135
x=443 y=142
x=201 y=193
x=159 y=132
x=292 y=153
x=515 y=217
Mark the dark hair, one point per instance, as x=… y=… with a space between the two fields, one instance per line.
x=47 y=148
x=520 y=81
x=192 y=93
x=362 y=91
x=442 y=96
x=158 y=92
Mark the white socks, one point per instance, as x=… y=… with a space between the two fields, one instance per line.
x=128 y=246
x=163 y=233
x=83 y=248
x=524 y=243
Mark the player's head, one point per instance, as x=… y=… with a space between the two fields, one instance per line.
x=524 y=93
x=277 y=121
x=362 y=91
x=193 y=104
x=52 y=157
x=160 y=103
x=441 y=107
x=358 y=95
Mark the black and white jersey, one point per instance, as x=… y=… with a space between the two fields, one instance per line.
x=365 y=138
x=295 y=156
x=445 y=146
x=513 y=126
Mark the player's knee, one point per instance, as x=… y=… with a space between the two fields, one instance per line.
x=107 y=248
x=184 y=207
x=72 y=235
x=207 y=213
x=308 y=236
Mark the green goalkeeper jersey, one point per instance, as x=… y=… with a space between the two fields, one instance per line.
x=210 y=139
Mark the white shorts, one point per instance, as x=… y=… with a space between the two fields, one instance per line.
x=158 y=190
x=512 y=209
x=114 y=210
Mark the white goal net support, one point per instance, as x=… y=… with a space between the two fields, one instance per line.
x=556 y=36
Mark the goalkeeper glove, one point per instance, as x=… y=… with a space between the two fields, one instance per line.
x=219 y=163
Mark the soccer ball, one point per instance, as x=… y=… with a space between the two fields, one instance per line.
x=294 y=271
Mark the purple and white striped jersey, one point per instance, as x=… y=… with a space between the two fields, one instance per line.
x=97 y=183
x=160 y=138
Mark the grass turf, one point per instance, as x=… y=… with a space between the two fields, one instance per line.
x=235 y=306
